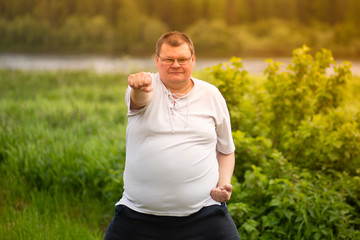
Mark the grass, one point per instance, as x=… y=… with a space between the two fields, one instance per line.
x=62 y=148
x=49 y=215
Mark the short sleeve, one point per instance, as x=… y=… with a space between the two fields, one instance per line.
x=225 y=143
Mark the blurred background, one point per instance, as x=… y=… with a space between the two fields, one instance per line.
x=219 y=28
x=297 y=133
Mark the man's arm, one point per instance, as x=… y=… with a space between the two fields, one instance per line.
x=142 y=90
x=222 y=192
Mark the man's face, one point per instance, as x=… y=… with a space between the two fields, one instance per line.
x=175 y=64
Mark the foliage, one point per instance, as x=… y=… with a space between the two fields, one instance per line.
x=218 y=28
x=297 y=178
x=232 y=81
x=331 y=142
x=214 y=36
x=180 y=14
x=304 y=90
x=296 y=205
x=307 y=119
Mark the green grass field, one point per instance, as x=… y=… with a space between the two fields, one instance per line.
x=62 y=144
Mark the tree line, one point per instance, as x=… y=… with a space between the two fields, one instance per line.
x=132 y=26
x=180 y=14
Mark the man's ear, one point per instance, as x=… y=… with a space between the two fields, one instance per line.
x=193 y=59
x=157 y=64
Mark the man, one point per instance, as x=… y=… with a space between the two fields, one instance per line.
x=179 y=153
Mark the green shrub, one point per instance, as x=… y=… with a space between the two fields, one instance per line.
x=302 y=91
x=233 y=82
x=309 y=124
x=300 y=205
x=297 y=149
x=330 y=142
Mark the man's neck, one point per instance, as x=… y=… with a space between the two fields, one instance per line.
x=182 y=90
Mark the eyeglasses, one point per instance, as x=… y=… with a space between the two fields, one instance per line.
x=171 y=61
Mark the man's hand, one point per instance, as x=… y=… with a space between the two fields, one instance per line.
x=142 y=90
x=221 y=193
x=140 y=81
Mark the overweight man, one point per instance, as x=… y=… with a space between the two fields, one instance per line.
x=179 y=153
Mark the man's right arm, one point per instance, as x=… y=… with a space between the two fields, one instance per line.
x=142 y=90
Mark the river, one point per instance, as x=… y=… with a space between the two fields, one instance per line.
x=102 y=64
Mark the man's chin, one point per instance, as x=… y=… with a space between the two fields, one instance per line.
x=176 y=76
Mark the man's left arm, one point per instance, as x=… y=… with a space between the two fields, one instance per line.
x=222 y=192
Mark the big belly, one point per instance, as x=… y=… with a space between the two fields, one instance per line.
x=171 y=181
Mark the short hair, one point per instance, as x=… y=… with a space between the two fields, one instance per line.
x=174 y=39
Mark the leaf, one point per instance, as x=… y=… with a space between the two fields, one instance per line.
x=337 y=144
x=275 y=202
x=250 y=225
x=288 y=214
x=270 y=221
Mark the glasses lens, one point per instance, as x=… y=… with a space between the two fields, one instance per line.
x=183 y=60
x=170 y=61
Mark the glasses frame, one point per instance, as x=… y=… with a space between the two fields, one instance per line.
x=172 y=60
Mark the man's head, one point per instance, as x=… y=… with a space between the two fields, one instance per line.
x=174 y=39
x=175 y=60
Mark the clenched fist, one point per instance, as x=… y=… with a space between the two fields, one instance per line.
x=141 y=81
x=142 y=90
x=221 y=193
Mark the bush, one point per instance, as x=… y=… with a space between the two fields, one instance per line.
x=308 y=123
x=297 y=177
x=299 y=205
x=330 y=142
x=233 y=82
x=303 y=91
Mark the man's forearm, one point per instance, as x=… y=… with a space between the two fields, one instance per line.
x=222 y=192
x=226 y=167
x=139 y=98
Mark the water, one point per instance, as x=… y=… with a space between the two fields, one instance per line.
x=103 y=64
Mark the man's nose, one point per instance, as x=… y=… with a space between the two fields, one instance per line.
x=176 y=63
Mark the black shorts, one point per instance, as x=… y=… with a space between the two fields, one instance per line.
x=210 y=223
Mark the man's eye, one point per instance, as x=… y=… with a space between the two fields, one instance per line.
x=169 y=60
x=182 y=60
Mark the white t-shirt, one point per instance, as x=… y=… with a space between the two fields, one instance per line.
x=171 y=163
